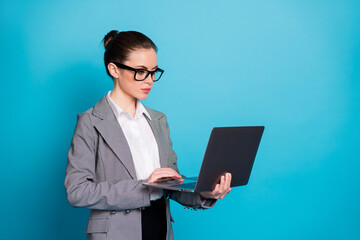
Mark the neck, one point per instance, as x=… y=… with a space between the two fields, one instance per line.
x=123 y=100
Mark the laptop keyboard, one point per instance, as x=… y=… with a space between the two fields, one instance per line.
x=190 y=186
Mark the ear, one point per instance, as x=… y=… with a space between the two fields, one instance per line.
x=113 y=70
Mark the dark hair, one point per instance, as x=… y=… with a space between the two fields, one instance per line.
x=118 y=45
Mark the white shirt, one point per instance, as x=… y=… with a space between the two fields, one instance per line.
x=141 y=140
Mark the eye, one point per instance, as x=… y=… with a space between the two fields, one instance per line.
x=141 y=72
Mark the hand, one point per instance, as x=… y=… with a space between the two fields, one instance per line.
x=163 y=173
x=221 y=189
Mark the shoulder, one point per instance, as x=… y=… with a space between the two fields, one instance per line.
x=85 y=120
x=86 y=113
x=96 y=113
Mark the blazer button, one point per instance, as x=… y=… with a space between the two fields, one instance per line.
x=112 y=212
x=127 y=211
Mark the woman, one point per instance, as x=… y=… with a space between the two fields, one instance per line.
x=119 y=144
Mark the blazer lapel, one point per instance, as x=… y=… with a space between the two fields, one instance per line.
x=112 y=133
x=154 y=124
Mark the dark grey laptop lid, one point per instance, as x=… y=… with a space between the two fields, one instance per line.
x=230 y=149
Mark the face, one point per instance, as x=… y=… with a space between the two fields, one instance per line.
x=138 y=59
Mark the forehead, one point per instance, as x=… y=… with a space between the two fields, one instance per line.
x=145 y=57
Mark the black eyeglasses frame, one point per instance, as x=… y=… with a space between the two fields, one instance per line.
x=136 y=70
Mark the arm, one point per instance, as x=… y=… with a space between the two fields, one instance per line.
x=86 y=185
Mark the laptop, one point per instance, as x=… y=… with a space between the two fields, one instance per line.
x=230 y=149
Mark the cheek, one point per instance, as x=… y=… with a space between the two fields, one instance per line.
x=131 y=86
x=126 y=80
x=128 y=85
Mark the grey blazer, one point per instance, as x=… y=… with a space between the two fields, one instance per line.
x=100 y=175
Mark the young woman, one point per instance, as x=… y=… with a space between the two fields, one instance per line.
x=119 y=144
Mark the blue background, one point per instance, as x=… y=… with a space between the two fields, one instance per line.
x=293 y=66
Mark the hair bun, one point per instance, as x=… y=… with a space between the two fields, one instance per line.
x=110 y=36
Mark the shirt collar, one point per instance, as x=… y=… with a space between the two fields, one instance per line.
x=140 y=109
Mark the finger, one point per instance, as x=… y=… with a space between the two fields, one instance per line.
x=164 y=179
x=222 y=185
x=216 y=191
x=225 y=185
x=228 y=180
x=214 y=194
x=172 y=172
x=224 y=194
x=167 y=175
x=168 y=171
x=161 y=173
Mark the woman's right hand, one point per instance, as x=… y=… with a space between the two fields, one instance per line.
x=163 y=174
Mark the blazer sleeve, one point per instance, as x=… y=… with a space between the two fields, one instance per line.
x=82 y=188
x=188 y=199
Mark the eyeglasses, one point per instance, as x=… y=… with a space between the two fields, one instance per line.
x=142 y=74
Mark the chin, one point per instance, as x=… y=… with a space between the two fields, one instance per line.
x=142 y=97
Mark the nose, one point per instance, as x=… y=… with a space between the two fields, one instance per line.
x=149 y=80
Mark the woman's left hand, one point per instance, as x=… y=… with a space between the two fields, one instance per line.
x=220 y=190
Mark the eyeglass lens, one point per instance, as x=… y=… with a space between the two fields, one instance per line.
x=141 y=75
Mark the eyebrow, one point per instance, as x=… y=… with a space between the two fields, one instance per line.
x=142 y=66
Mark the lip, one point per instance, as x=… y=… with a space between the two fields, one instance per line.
x=146 y=90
